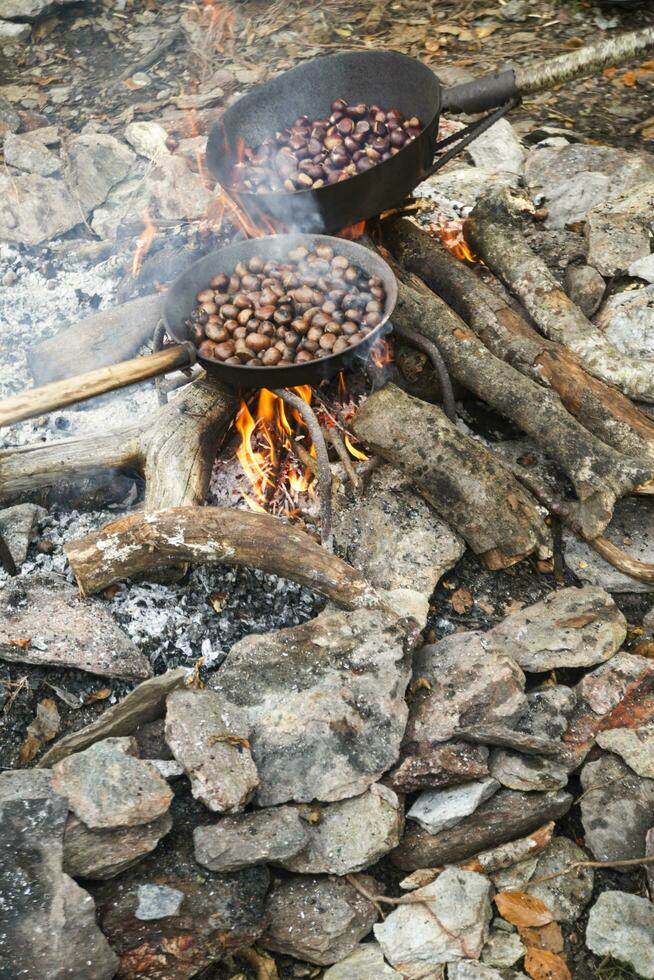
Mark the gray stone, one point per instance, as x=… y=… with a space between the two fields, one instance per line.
x=568 y=895
x=648 y=623
x=9 y=118
x=468 y=685
x=35 y=209
x=366 y=962
x=526 y=772
x=65 y=629
x=585 y=287
x=11 y=33
x=523 y=742
x=158 y=902
x=435 y=766
x=147 y=138
x=437 y=810
x=325 y=702
x=30 y=9
x=26 y=154
x=618 y=231
x=618 y=810
x=461 y=187
x=632 y=529
x=319 y=919
x=506 y=816
x=393 y=536
x=251 y=838
x=469 y=970
x=634 y=745
x=621 y=926
x=627 y=321
x=577 y=177
x=209 y=738
x=18 y=526
x=101 y=854
x=454 y=925
x=548 y=711
x=643 y=268
x=106 y=787
x=569 y=628
x=649 y=868
x=47 y=922
x=145 y=703
x=350 y=835
x=502 y=948
x=96 y=162
x=498 y=149
x=515 y=875
x=171 y=190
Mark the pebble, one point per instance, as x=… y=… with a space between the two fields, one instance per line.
x=437 y=810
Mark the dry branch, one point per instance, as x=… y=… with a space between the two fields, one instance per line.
x=174 y=449
x=462 y=480
x=599 y=407
x=494 y=232
x=145 y=542
x=599 y=474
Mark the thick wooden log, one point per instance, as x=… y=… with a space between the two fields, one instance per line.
x=174 y=450
x=598 y=406
x=599 y=474
x=99 y=341
x=146 y=542
x=494 y=232
x=464 y=482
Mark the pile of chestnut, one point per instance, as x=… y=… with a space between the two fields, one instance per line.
x=278 y=312
x=311 y=154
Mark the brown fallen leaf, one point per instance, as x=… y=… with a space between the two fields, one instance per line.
x=235 y=740
x=514 y=606
x=540 y=964
x=486 y=607
x=23 y=642
x=461 y=601
x=28 y=750
x=264 y=965
x=41 y=729
x=629 y=78
x=576 y=622
x=521 y=909
x=100 y=695
x=645 y=649
x=547 y=937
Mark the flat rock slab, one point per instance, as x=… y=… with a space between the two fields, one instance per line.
x=95 y=162
x=634 y=745
x=65 y=630
x=469 y=970
x=618 y=812
x=325 y=703
x=568 y=895
x=524 y=772
x=144 y=704
x=319 y=919
x=365 y=963
x=251 y=838
x=462 y=186
x=618 y=231
x=30 y=9
x=507 y=815
x=437 y=810
x=209 y=737
x=35 y=209
x=498 y=149
x=548 y=711
x=395 y=539
x=415 y=939
x=632 y=529
x=569 y=628
x=350 y=835
x=47 y=922
x=627 y=321
x=426 y=766
x=107 y=787
x=18 y=526
x=102 y=854
x=621 y=926
x=30 y=155
x=585 y=287
x=502 y=949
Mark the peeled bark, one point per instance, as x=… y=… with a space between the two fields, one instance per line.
x=494 y=232
x=462 y=480
x=146 y=542
x=596 y=405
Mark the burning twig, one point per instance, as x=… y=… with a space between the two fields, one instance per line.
x=332 y=436
x=322 y=459
x=304 y=456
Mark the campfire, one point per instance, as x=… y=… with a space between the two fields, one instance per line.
x=326 y=540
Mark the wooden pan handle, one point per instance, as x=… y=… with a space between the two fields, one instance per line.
x=38 y=401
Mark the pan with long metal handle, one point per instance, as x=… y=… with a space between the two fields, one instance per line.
x=179 y=303
x=395 y=81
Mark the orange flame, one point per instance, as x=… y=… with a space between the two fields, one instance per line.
x=352 y=232
x=143 y=244
x=382 y=352
x=451 y=235
x=222 y=204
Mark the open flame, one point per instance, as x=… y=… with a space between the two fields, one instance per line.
x=143 y=243
x=450 y=232
x=353 y=232
x=382 y=352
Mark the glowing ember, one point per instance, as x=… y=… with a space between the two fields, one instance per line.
x=143 y=244
x=451 y=233
x=382 y=352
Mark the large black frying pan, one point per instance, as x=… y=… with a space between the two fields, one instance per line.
x=179 y=303
x=394 y=81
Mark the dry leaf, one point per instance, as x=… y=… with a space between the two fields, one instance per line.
x=421 y=684
x=514 y=606
x=42 y=728
x=547 y=937
x=486 y=30
x=540 y=964
x=609 y=72
x=100 y=695
x=461 y=601
x=218 y=601
x=235 y=740
x=23 y=642
x=44 y=79
x=629 y=78
x=574 y=42
x=645 y=649
x=576 y=622
x=28 y=750
x=486 y=607
x=433 y=46
x=521 y=909
x=264 y=965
